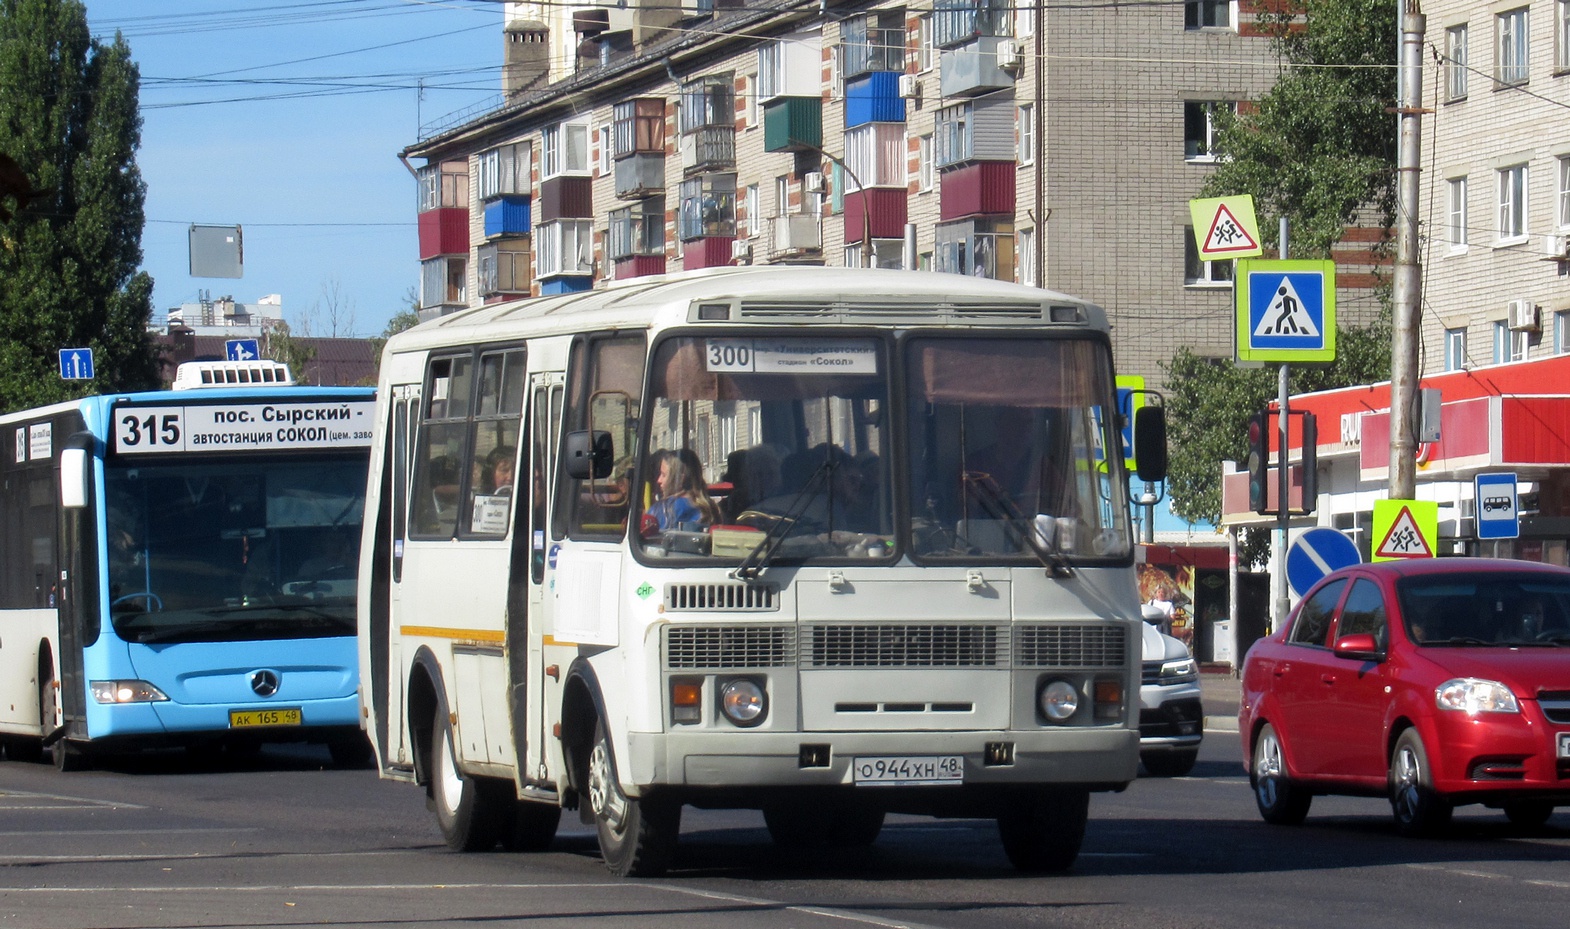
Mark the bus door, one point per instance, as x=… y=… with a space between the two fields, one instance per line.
x=387 y=674
x=526 y=598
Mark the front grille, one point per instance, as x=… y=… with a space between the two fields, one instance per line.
x=728 y=647
x=1071 y=645
x=1556 y=705
x=1150 y=672
x=755 y=598
x=902 y=645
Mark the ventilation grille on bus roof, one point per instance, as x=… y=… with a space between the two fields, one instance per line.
x=193 y=375
x=837 y=312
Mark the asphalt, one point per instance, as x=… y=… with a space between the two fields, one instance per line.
x=1221 y=691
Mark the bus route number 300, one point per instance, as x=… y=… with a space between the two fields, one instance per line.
x=909 y=769
x=141 y=429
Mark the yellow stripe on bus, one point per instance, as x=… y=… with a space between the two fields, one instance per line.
x=443 y=632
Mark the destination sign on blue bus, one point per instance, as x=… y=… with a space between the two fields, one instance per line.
x=216 y=427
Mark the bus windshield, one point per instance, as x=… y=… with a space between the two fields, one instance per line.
x=233 y=550
x=781 y=445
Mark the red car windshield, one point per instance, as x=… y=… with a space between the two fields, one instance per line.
x=1489 y=609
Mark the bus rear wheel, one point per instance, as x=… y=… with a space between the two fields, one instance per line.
x=1042 y=830
x=67 y=755
x=469 y=810
x=637 y=836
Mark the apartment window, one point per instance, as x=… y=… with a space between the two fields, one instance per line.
x=749 y=101
x=1562 y=35
x=605 y=151
x=875 y=42
x=1027 y=257
x=1457 y=232
x=1027 y=134
x=639 y=127
x=924 y=53
x=708 y=103
x=753 y=214
x=887 y=254
x=565 y=247
x=444 y=282
x=924 y=172
x=1208 y=14
x=782 y=195
x=1512 y=202
x=1510 y=66
x=875 y=155
x=980 y=248
x=444 y=184
x=771 y=70
x=1197 y=272
x=504 y=170
x=1455 y=65
x=1199 y=129
x=1563 y=211
x=564 y=149
x=1455 y=349
x=708 y=207
x=1509 y=345
x=956 y=22
x=953 y=136
x=1025 y=19
x=1562 y=332
x=637 y=230
x=503 y=267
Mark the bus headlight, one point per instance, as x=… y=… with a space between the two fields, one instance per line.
x=1058 y=700
x=127 y=692
x=743 y=701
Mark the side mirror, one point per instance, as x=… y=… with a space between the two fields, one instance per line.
x=1152 y=614
x=74 y=473
x=1359 y=646
x=1150 y=443
x=589 y=455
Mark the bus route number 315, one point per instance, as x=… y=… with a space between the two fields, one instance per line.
x=142 y=429
x=909 y=769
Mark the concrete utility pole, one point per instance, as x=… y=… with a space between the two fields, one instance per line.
x=1408 y=276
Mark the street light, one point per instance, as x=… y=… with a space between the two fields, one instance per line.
x=866 y=218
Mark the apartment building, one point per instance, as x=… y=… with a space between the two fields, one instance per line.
x=1496 y=183
x=1052 y=145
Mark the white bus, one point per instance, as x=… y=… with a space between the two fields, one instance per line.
x=827 y=543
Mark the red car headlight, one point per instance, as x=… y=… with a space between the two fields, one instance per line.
x=1473 y=695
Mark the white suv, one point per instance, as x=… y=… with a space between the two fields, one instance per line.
x=1171 y=723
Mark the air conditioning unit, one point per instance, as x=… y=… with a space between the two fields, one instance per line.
x=1556 y=247
x=1010 y=54
x=1522 y=315
x=812 y=182
x=740 y=250
x=909 y=86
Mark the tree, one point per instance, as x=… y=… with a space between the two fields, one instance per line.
x=281 y=345
x=331 y=317
x=69 y=254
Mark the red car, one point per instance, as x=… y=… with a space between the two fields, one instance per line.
x=1435 y=682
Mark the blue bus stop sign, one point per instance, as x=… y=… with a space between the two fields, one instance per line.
x=1498 y=514
x=76 y=364
x=1315 y=554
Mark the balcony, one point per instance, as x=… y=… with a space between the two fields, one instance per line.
x=444 y=231
x=989 y=63
x=507 y=216
x=883 y=50
x=637 y=266
x=639 y=176
x=566 y=197
x=707 y=253
x=874 y=98
x=984 y=188
x=793 y=124
x=796 y=233
x=885 y=210
x=709 y=148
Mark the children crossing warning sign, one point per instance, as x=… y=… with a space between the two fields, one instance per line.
x=1224 y=227
x=1405 y=529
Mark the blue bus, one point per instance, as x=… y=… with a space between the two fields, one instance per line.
x=178 y=567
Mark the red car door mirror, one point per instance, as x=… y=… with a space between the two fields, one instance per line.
x=1359 y=646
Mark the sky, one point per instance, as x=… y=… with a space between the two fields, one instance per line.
x=286 y=117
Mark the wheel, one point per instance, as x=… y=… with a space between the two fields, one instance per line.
x=467 y=808
x=533 y=827
x=1528 y=813
x=838 y=824
x=67 y=755
x=350 y=751
x=1045 y=829
x=1170 y=764
x=1418 y=808
x=1280 y=801
x=637 y=836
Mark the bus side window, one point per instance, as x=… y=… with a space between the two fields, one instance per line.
x=440 y=451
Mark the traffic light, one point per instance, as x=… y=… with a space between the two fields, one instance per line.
x=1310 y=462
x=1259 y=462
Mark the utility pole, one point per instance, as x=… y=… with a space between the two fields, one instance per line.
x=1407 y=291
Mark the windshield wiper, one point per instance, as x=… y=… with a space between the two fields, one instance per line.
x=1459 y=640
x=757 y=560
x=1000 y=507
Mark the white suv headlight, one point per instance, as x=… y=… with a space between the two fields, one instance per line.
x=1182 y=671
x=1474 y=695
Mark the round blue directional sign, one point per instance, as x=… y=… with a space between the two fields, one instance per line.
x=1315 y=554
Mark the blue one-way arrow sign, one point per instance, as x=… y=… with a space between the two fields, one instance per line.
x=242 y=350
x=76 y=364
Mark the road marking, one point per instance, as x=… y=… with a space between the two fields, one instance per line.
x=34 y=833
x=7 y=795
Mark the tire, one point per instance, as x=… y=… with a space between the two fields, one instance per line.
x=1044 y=830
x=835 y=824
x=351 y=751
x=1170 y=764
x=468 y=809
x=67 y=755
x=1418 y=809
x=1528 y=813
x=637 y=836
x=1280 y=802
x=533 y=827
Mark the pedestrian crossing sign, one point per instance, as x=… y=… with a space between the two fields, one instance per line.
x=1405 y=529
x=1286 y=311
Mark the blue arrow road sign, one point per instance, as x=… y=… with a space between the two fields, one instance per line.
x=1315 y=554
x=242 y=350
x=76 y=364
x=1498 y=515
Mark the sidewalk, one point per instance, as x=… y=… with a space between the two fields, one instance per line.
x=1220 y=700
